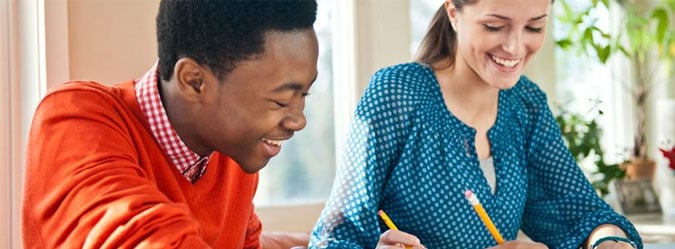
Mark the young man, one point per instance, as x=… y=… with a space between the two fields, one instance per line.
x=170 y=160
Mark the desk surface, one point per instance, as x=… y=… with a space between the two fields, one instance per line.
x=655 y=229
x=660 y=246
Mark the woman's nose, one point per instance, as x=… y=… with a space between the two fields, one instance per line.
x=514 y=44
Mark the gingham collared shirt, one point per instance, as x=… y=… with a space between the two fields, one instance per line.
x=187 y=161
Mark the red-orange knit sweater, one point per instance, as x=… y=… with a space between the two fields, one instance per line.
x=96 y=178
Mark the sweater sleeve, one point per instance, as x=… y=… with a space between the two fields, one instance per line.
x=84 y=185
x=349 y=219
x=562 y=207
x=252 y=240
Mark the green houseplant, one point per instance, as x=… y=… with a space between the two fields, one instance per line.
x=582 y=136
x=644 y=36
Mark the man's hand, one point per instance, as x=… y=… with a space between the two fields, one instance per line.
x=283 y=240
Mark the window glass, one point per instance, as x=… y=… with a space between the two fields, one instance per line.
x=303 y=171
x=583 y=83
x=421 y=12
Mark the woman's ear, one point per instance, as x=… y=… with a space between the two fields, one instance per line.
x=189 y=78
x=451 y=11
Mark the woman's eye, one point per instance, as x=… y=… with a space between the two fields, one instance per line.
x=534 y=30
x=280 y=104
x=493 y=28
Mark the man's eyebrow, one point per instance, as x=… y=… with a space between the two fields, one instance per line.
x=293 y=86
x=288 y=86
x=531 y=19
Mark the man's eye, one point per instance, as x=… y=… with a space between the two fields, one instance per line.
x=280 y=104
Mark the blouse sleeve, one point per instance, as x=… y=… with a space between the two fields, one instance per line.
x=562 y=207
x=349 y=219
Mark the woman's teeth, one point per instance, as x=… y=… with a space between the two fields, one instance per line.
x=504 y=62
x=272 y=142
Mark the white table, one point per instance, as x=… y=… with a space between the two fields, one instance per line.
x=655 y=229
x=660 y=246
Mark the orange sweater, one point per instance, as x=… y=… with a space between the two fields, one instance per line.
x=96 y=178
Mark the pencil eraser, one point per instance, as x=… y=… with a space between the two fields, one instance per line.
x=468 y=193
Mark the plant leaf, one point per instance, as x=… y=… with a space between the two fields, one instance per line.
x=661 y=17
x=603 y=52
x=564 y=43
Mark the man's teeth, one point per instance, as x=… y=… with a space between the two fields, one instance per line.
x=273 y=142
x=504 y=62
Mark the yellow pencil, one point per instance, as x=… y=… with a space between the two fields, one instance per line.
x=483 y=216
x=388 y=222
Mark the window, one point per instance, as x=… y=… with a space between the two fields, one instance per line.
x=421 y=12
x=22 y=84
x=304 y=170
x=582 y=81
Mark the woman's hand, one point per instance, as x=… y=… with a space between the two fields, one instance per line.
x=614 y=245
x=398 y=239
x=519 y=244
x=605 y=231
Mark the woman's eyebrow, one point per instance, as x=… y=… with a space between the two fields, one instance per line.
x=507 y=18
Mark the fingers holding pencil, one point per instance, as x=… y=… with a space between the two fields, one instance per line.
x=394 y=238
x=398 y=239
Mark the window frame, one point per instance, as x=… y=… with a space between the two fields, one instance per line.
x=23 y=73
x=359 y=27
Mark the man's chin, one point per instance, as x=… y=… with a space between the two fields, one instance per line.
x=253 y=167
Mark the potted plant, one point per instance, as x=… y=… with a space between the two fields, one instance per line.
x=644 y=38
x=582 y=135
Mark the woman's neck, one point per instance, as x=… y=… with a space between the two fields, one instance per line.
x=468 y=97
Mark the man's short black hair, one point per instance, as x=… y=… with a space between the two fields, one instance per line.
x=221 y=33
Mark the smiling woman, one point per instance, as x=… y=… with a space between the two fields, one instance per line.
x=433 y=128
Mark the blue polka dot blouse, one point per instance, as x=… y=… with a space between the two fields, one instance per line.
x=409 y=156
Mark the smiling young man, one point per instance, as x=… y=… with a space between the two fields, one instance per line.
x=169 y=160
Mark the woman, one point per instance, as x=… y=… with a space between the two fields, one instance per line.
x=462 y=117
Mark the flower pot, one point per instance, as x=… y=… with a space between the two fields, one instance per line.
x=639 y=168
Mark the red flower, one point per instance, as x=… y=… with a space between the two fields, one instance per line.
x=670 y=155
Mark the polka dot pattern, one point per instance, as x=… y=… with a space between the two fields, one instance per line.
x=407 y=155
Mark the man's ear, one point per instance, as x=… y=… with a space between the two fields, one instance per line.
x=451 y=11
x=190 y=77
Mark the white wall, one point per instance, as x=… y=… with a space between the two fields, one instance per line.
x=383 y=36
x=56 y=36
x=111 y=40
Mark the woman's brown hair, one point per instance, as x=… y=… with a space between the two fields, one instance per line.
x=440 y=40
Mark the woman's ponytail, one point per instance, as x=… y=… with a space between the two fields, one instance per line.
x=439 y=42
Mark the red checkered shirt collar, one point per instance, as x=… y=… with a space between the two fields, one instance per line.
x=147 y=94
